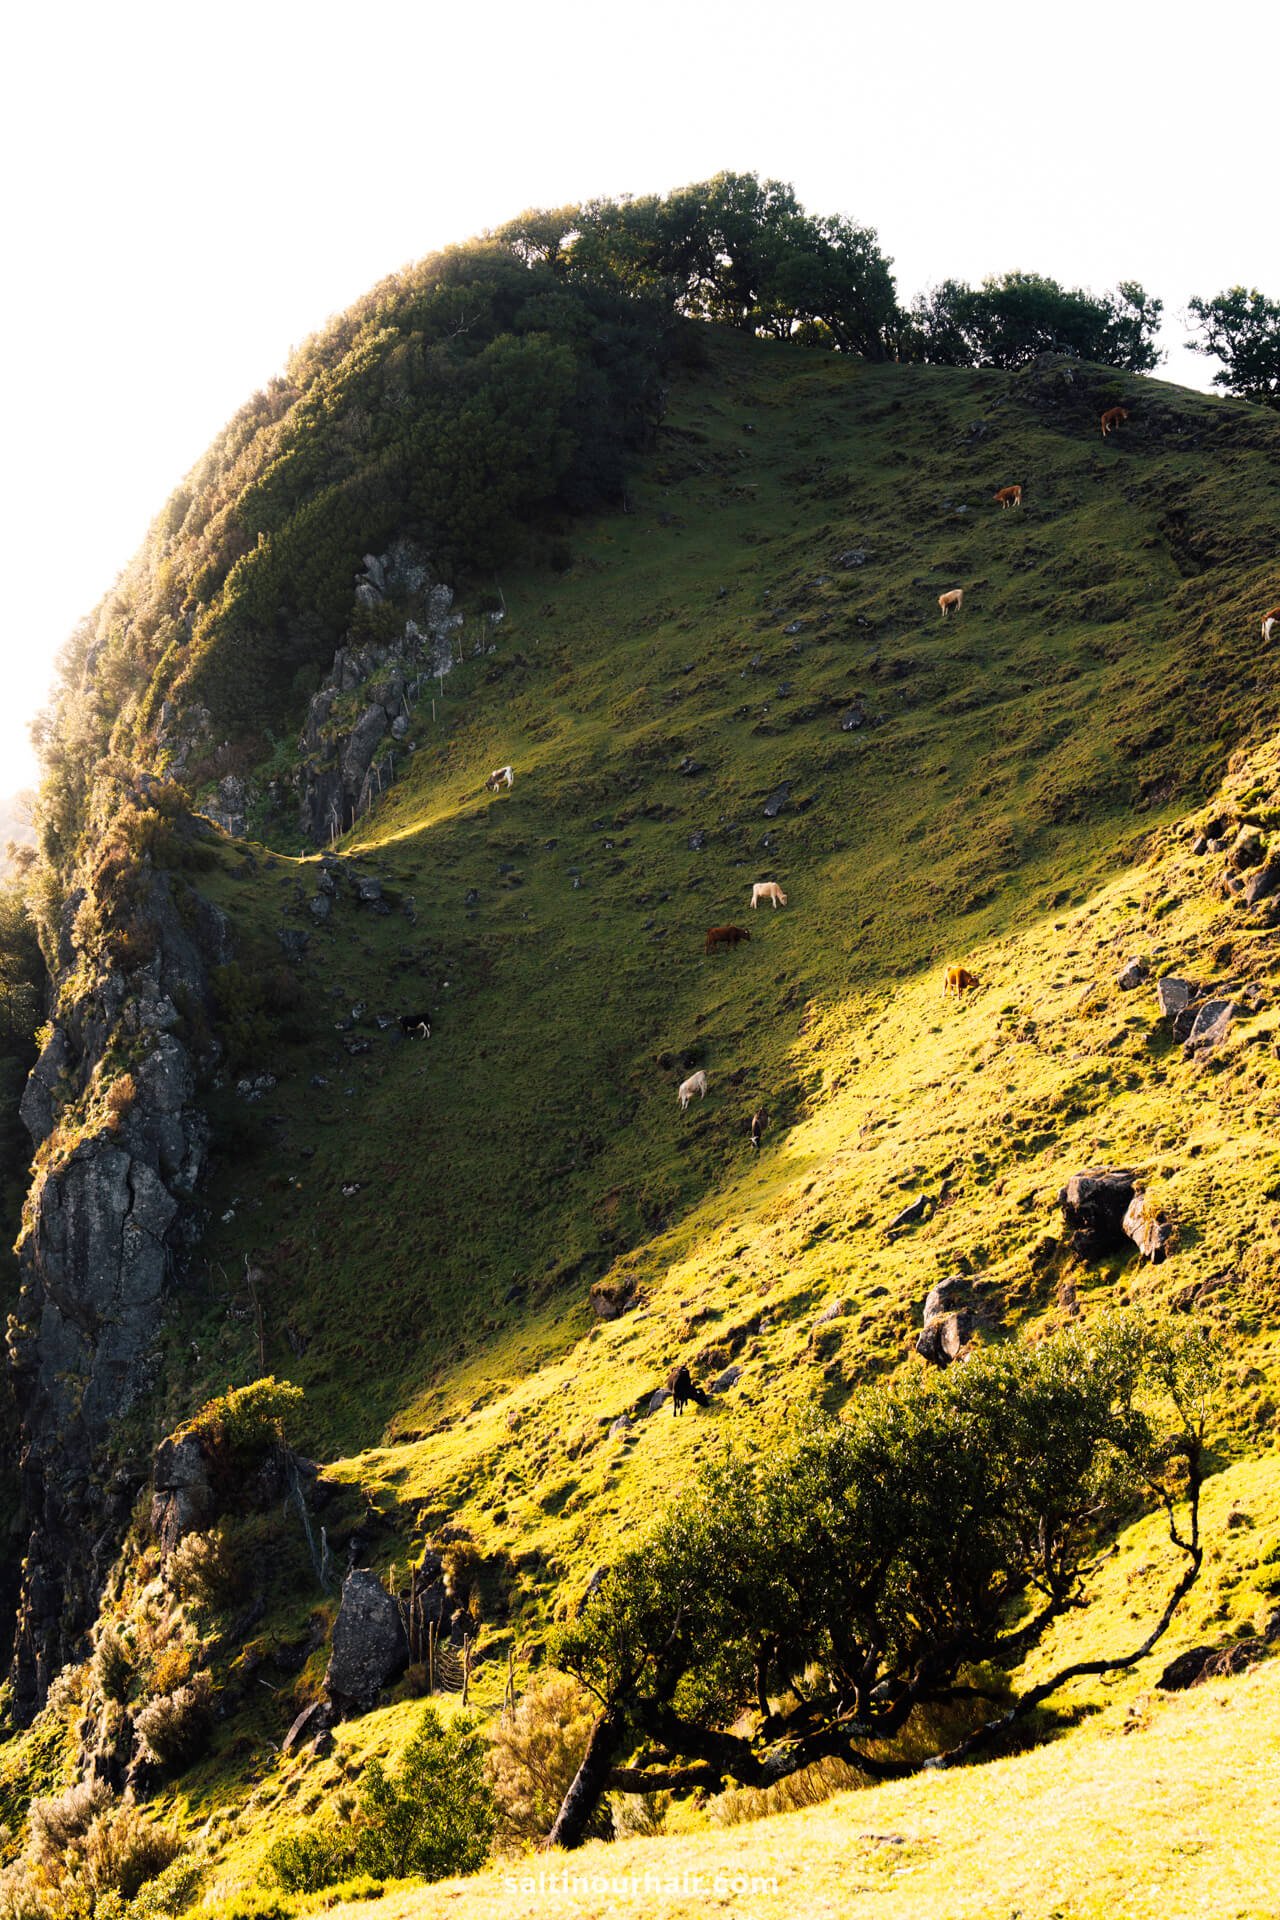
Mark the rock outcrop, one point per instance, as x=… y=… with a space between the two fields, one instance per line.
x=359 y=717
x=1103 y=1207
x=119 y=1155
x=370 y=1647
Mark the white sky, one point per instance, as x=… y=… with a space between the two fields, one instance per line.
x=189 y=191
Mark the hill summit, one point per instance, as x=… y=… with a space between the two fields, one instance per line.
x=369 y=1071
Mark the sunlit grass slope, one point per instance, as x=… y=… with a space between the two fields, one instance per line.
x=1013 y=789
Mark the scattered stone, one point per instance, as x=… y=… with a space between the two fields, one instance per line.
x=1247 y=849
x=309 y=1725
x=1262 y=884
x=1211 y=1026
x=621 y=1425
x=852 y=718
x=320 y=907
x=471 y=898
x=1132 y=975
x=689 y=766
x=611 y=1298
x=778 y=799
x=294 y=940
x=1174 y=994
x=658 y=1400
x=834 y=1310
x=942 y=1338
x=910 y=1216
x=369 y=1644
x=723 y=1381
x=945 y=1297
x=697 y=840
x=1200 y=844
x=1150 y=1228
x=369 y=892
x=853 y=557
x=1094 y=1204
x=1186 y=1669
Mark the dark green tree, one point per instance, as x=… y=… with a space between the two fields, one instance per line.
x=1006 y=322
x=1241 y=327
x=865 y=1567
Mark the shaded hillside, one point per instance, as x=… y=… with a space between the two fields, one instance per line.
x=741 y=675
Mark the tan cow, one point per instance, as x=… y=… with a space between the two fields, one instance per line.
x=958 y=980
x=951 y=601
x=1008 y=496
x=1112 y=418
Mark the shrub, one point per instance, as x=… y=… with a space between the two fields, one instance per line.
x=87 y=1853
x=536 y=1753
x=174 y=1726
x=208 y=1569
x=121 y=1094
x=246 y=1421
x=115 y=1663
x=435 y=1815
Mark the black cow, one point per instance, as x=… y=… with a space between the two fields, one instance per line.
x=682 y=1389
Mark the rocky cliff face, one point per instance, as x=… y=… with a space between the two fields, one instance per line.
x=359 y=719
x=121 y=1144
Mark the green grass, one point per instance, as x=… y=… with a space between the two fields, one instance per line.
x=1018 y=798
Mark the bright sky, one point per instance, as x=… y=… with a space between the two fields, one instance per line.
x=190 y=190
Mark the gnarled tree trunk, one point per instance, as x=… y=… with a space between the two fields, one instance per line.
x=589 y=1782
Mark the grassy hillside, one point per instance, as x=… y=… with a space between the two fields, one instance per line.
x=716 y=691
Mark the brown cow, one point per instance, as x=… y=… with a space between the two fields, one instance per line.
x=724 y=937
x=759 y=1121
x=951 y=601
x=1112 y=418
x=958 y=980
x=1008 y=496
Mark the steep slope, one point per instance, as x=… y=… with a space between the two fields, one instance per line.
x=742 y=676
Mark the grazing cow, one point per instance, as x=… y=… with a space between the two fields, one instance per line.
x=696 y=1083
x=768 y=890
x=759 y=1121
x=1112 y=418
x=682 y=1390
x=724 y=937
x=1008 y=497
x=951 y=601
x=1270 y=621
x=415 y=1023
x=500 y=777
x=958 y=980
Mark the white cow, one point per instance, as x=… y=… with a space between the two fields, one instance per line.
x=696 y=1083
x=768 y=890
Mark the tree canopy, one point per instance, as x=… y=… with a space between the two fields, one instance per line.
x=1241 y=328
x=866 y=1567
x=734 y=250
x=1007 y=321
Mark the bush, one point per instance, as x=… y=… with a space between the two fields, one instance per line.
x=434 y=1816
x=116 y=1665
x=246 y=1422
x=174 y=1727
x=208 y=1569
x=536 y=1753
x=86 y=1854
